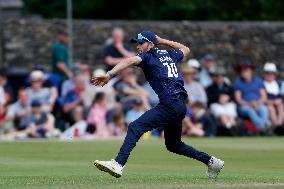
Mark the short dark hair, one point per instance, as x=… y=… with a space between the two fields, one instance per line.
x=198 y=104
x=3 y=72
x=61 y=31
x=99 y=96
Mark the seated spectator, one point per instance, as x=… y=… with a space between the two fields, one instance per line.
x=128 y=90
x=194 y=63
x=188 y=126
x=251 y=96
x=203 y=119
x=117 y=126
x=108 y=90
x=209 y=62
x=69 y=84
x=220 y=96
x=31 y=123
x=195 y=90
x=274 y=101
x=4 y=83
x=153 y=97
x=281 y=80
x=2 y=103
x=72 y=99
x=97 y=117
x=18 y=112
x=136 y=111
x=39 y=123
x=78 y=129
x=85 y=71
x=117 y=49
x=44 y=95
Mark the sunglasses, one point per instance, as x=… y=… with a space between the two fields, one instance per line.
x=141 y=37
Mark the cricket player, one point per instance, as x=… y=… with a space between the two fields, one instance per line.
x=160 y=69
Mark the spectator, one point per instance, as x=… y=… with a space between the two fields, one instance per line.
x=188 y=126
x=220 y=96
x=251 y=96
x=281 y=80
x=274 y=101
x=17 y=114
x=78 y=129
x=108 y=90
x=117 y=50
x=195 y=90
x=204 y=119
x=129 y=90
x=136 y=111
x=97 y=117
x=2 y=103
x=118 y=127
x=193 y=63
x=85 y=71
x=153 y=97
x=4 y=83
x=18 y=111
x=209 y=62
x=44 y=95
x=39 y=123
x=69 y=84
x=73 y=98
x=60 y=60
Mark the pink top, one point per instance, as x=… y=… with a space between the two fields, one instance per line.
x=97 y=115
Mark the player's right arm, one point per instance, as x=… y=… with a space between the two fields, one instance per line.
x=125 y=63
x=185 y=50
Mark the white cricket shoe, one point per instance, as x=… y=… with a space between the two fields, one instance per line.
x=112 y=167
x=214 y=167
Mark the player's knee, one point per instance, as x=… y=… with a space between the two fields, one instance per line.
x=134 y=129
x=172 y=146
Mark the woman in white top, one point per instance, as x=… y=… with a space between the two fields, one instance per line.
x=274 y=101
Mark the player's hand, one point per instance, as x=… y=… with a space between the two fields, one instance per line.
x=100 y=80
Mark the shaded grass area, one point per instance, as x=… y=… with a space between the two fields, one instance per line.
x=249 y=163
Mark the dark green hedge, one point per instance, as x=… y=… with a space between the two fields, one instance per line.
x=160 y=9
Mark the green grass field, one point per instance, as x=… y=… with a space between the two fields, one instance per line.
x=249 y=163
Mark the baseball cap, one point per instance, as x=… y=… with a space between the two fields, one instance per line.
x=145 y=36
x=209 y=57
x=36 y=103
x=217 y=71
x=269 y=67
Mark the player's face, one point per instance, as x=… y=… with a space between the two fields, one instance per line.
x=144 y=47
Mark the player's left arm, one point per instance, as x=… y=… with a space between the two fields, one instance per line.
x=185 y=50
x=125 y=63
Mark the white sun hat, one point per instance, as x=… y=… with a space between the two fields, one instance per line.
x=193 y=63
x=99 y=72
x=269 y=67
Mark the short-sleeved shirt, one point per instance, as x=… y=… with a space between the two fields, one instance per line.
x=70 y=97
x=160 y=69
x=60 y=54
x=110 y=50
x=43 y=96
x=16 y=108
x=250 y=91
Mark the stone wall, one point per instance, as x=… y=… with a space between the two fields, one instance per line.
x=26 y=42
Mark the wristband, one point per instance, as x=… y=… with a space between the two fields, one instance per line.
x=111 y=75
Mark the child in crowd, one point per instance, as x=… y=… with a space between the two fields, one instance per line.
x=97 y=117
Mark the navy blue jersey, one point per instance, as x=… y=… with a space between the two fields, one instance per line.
x=160 y=69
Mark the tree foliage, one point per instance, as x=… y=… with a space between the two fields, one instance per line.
x=160 y=9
